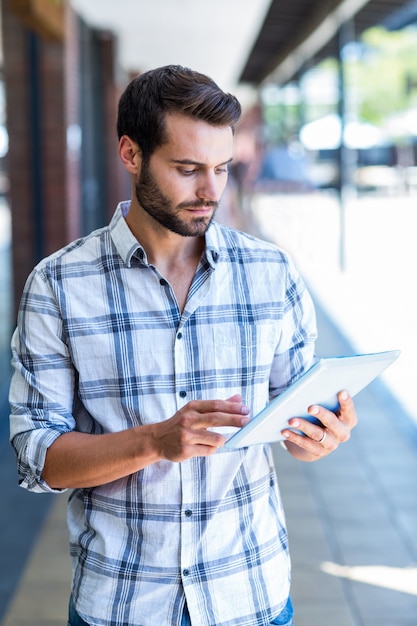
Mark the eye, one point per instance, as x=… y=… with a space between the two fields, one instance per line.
x=187 y=172
x=222 y=170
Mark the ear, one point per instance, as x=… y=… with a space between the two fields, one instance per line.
x=130 y=154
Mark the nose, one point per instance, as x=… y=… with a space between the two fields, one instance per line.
x=210 y=187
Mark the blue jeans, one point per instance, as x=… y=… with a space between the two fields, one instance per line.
x=283 y=619
x=73 y=618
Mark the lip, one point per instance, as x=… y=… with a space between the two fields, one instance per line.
x=201 y=210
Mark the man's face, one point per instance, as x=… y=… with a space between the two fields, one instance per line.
x=183 y=182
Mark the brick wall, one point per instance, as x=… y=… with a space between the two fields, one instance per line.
x=19 y=157
x=43 y=101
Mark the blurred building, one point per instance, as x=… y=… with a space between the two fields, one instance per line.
x=61 y=98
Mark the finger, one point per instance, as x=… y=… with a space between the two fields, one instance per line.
x=233 y=406
x=193 y=449
x=214 y=420
x=314 y=447
x=347 y=411
x=334 y=425
x=235 y=398
x=344 y=417
x=205 y=438
x=190 y=419
x=309 y=430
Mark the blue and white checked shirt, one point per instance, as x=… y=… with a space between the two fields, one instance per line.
x=102 y=346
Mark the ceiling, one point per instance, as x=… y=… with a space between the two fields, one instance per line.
x=239 y=43
x=210 y=36
x=296 y=32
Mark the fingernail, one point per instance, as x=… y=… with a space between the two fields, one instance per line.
x=314 y=410
x=344 y=395
x=245 y=410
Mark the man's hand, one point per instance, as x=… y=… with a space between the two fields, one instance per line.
x=187 y=433
x=318 y=441
x=84 y=460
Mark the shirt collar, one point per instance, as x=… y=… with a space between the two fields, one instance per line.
x=128 y=246
x=126 y=243
x=212 y=244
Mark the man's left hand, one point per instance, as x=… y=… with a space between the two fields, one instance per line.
x=317 y=441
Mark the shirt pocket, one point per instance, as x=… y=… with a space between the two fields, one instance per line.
x=126 y=374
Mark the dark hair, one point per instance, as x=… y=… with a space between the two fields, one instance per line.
x=171 y=89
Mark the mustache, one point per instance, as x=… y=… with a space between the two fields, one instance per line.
x=198 y=204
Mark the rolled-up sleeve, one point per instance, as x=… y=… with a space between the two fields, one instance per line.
x=42 y=387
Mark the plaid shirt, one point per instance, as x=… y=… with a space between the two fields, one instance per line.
x=102 y=346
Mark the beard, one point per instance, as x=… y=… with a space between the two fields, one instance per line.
x=156 y=204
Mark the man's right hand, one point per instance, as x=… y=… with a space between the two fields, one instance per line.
x=187 y=433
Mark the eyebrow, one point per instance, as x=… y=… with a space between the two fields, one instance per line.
x=191 y=162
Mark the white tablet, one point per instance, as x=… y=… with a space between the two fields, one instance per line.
x=319 y=385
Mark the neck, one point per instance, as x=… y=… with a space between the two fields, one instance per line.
x=163 y=248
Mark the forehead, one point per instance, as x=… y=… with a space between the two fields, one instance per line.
x=197 y=140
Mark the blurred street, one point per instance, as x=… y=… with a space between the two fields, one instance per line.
x=373 y=300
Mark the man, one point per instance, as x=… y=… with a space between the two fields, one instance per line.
x=138 y=349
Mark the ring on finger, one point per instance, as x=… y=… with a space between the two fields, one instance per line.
x=323 y=437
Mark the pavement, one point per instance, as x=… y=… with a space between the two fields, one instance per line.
x=352 y=517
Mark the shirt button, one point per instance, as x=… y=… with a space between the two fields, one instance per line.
x=163 y=282
x=185 y=572
x=183 y=394
x=188 y=513
x=179 y=336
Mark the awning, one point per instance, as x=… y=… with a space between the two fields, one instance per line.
x=297 y=32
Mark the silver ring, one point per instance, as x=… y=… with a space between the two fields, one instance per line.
x=324 y=437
